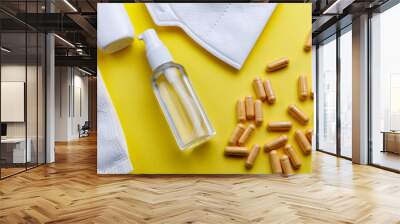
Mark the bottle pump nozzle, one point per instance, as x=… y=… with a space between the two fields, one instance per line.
x=157 y=53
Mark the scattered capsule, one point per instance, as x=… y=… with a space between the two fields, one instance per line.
x=259 y=117
x=308 y=42
x=302 y=141
x=241 y=111
x=278 y=64
x=298 y=115
x=286 y=167
x=259 y=89
x=274 y=162
x=249 y=107
x=252 y=156
x=237 y=132
x=271 y=98
x=246 y=134
x=279 y=126
x=276 y=143
x=302 y=87
x=293 y=156
x=236 y=151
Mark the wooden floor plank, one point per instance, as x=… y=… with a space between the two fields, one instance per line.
x=70 y=191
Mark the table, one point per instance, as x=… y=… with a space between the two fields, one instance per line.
x=391 y=141
x=16 y=147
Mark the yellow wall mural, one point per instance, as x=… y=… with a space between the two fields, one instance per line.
x=151 y=146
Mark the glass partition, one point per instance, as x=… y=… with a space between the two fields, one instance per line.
x=327 y=96
x=385 y=89
x=23 y=89
x=32 y=95
x=14 y=155
x=41 y=107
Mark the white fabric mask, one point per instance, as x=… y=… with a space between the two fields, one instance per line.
x=227 y=30
x=112 y=150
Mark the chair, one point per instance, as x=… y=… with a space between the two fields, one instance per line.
x=84 y=130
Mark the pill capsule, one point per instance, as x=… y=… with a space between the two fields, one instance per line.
x=258 y=112
x=276 y=144
x=252 y=156
x=293 y=156
x=308 y=134
x=302 y=141
x=286 y=167
x=269 y=92
x=297 y=114
x=237 y=132
x=259 y=89
x=249 y=108
x=246 y=134
x=274 y=161
x=278 y=64
x=240 y=111
x=279 y=126
x=302 y=87
x=236 y=151
x=308 y=42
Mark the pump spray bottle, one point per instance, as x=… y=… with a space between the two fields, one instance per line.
x=178 y=101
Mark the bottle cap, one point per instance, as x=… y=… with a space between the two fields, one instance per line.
x=157 y=53
x=114 y=28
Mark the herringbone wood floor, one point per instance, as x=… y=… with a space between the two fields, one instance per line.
x=69 y=191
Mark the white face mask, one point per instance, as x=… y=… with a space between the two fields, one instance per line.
x=112 y=150
x=227 y=30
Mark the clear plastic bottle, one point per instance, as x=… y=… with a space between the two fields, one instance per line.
x=178 y=101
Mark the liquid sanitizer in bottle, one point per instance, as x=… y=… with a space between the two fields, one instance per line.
x=179 y=103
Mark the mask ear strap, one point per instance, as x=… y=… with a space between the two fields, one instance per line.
x=162 y=14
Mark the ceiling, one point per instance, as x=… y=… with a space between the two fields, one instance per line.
x=75 y=22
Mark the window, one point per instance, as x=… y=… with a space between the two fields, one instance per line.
x=327 y=96
x=385 y=89
x=346 y=93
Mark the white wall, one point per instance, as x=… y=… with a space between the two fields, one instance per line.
x=12 y=73
x=71 y=102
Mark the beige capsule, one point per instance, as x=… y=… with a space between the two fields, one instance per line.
x=276 y=143
x=249 y=107
x=252 y=156
x=302 y=141
x=278 y=64
x=241 y=111
x=302 y=87
x=274 y=162
x=308 y=42
x=259 y=89
x=308 y=134
x=279 y=126
x=293 y=156
x=236 y=151
x=237 y=132
x=298 y=115
x=246 y=134
x=286 y=167
x=259 y=117
x=271 y=98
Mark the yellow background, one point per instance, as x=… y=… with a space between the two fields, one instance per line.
x=152 y=148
